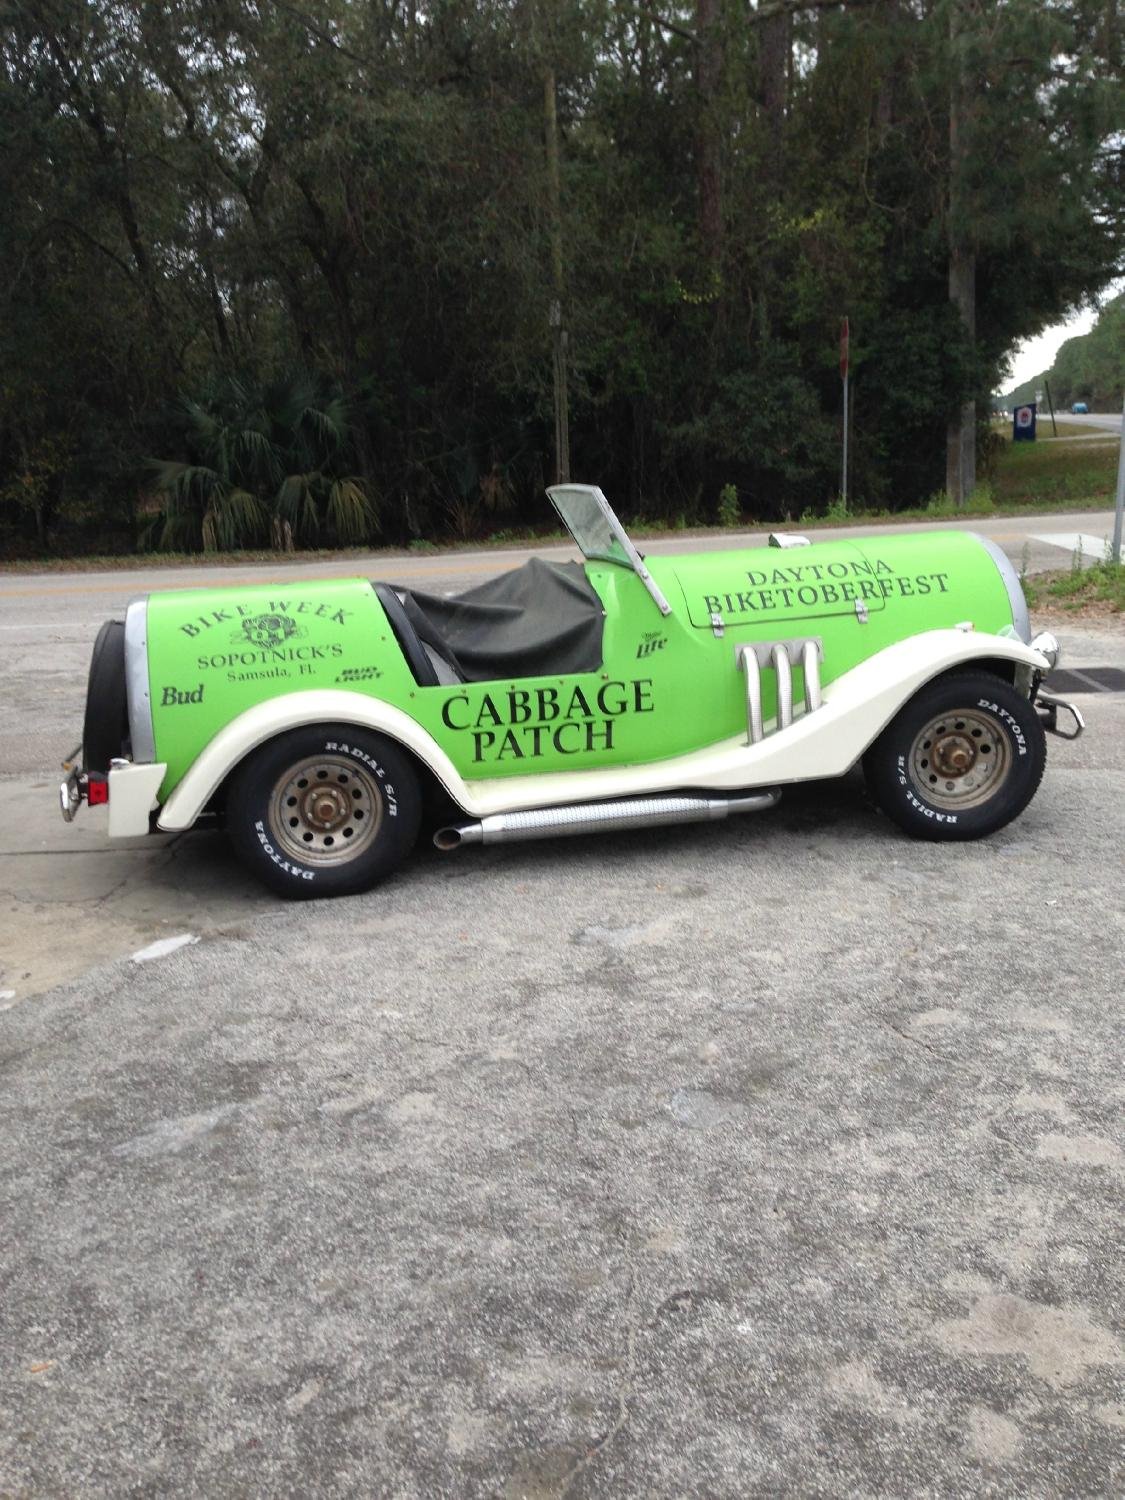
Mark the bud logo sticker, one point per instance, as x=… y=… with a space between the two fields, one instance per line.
x=180 y=697
x=268 y=630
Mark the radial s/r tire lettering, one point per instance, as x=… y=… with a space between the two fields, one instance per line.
x=963 y=758
x=324 y=810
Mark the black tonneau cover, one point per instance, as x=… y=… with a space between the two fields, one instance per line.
x=541 y=620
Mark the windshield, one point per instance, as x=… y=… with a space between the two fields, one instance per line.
x=588 y=516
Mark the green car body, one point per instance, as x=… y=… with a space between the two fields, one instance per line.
x=214 y=653
x=690 y=646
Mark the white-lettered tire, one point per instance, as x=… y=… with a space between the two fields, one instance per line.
x=963 y=758
x=324 y=810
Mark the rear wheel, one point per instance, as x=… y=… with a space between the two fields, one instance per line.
x=325 y=810
x=963 y=758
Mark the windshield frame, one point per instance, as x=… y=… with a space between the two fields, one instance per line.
x=569 y=500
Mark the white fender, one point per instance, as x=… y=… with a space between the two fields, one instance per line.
x=855 y=707
x=267 y=720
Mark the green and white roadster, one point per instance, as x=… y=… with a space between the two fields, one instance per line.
x=321 y=719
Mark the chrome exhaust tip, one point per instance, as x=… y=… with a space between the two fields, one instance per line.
x=453 y=835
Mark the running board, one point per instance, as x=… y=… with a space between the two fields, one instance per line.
x=602 y=817
x=782 y=657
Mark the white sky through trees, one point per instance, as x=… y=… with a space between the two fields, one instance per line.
x=1036 y=355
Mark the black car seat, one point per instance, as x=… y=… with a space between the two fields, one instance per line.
x=427 y=655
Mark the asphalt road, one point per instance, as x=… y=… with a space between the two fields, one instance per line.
x=782 y=1155
x=1111 y=421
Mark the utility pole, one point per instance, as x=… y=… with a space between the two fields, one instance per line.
x=844 y=339
x=559 y=334
x=1051 y=407
x=1119 y=509
x=960 y=450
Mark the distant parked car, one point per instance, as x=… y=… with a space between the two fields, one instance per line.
x=1080 y=408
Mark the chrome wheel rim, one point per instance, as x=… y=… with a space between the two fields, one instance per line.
x=960 y=759
x=326 y=810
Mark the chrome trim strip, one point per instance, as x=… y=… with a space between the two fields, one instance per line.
x=136 y=682
x=810 y=665
x=784 y=686
x=748 y=661
x=1020 y=617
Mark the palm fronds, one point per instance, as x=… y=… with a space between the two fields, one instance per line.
x=184 y=486
x=296 y=503
x=233 y=518
x=265 y=462
x=351 y=513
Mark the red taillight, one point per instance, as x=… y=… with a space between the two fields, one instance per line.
x=97 y=792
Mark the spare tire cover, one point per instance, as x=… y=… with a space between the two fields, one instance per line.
x=106 y=726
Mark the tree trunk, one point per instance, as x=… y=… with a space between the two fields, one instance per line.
x=961 y=435
x=708 y=74
x=775 y=51
x=558 y=328
x=961 y=438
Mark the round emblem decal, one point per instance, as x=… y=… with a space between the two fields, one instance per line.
x=269 y=630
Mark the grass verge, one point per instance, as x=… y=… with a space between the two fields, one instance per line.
x=1073 y=429
x=1056 y=476
x=1097 y=590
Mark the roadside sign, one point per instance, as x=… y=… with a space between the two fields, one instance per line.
x=843 y=348
x=1023 y=423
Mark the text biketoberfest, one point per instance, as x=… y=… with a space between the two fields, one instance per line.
x=812 y=584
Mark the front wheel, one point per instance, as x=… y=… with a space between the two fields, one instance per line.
x=325 y=810
x=961 y=759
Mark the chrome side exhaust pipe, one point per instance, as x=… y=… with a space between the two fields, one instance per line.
x=754 y=657
x=603 y=817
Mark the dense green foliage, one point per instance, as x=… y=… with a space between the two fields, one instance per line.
x=1089 y=368
x=291 y=265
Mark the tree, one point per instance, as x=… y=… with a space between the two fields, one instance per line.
x=265 y=464
x=198 y=193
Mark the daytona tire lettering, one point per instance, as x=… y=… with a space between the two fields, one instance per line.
x=282 y=864
x=1002 y=713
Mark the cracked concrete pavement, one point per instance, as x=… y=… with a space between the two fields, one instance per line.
x=777 y=1156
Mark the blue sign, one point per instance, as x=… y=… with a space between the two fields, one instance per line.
x=1023 y=423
